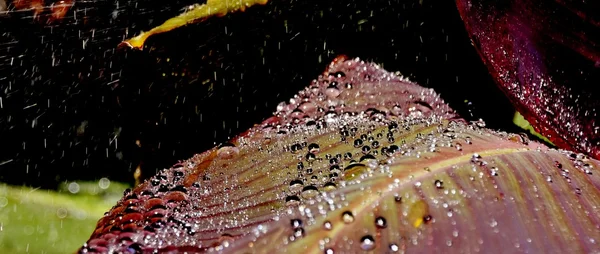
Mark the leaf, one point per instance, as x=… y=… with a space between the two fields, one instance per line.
x=44 y=221
x=195 y=13
x=519 y=121
x=545 y=56
x=363 y=160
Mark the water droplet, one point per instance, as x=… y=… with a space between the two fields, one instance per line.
x=380 y=222
x=397 y=110
x=587 y=168
x=366 y=157
x=347 y=217
x=310 y=157
x=394 y=247
x=332 y=91
x=458 y=146
x=307 y=107
x=295 y=148
x=296 y=185
x=418 y=108
x=178 y=173
x=494 y=171
x=557 y=164
x=327 y=225
x=367 y=243
x=476 y=158
x=329 y=186
x=358 y=143
x=427 y=218
x=339 y=74
x=313 y=148
x=480 y=123
x=348 y=156
x=354 y=170
x=309 y=191
x=299 y=232
x=439 y=184
x=328 y=251
x=224 y=238
x=334 y=161
x=227 y=151
x=366 y=149
x=162 y=188
x=375 y=144
x=292 y=200
x=398 y=198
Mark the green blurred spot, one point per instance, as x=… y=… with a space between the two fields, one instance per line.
x=44 y=221
x=520 y=121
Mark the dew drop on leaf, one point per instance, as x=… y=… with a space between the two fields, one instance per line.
x=394 y=247
x=367 y=243
x=327 y=225
x=380 y=222
x=227 y=151
x=347 y=217
x=439 y=184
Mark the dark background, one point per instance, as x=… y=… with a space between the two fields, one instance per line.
x=71 y=112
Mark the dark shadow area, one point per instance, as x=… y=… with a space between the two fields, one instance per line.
x=72 y=106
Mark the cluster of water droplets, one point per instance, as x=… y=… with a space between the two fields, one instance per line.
x=331 y=109
x=355 y=124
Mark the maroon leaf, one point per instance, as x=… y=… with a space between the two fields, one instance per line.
x=545 y=56
x=363 y=160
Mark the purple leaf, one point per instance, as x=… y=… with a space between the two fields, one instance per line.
x=363 y=160
x=545 y=56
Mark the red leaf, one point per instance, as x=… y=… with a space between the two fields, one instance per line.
x=545 y=56
x=363 y=160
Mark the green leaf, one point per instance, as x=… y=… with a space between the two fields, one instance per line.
x=520 y=121
x=44 y=221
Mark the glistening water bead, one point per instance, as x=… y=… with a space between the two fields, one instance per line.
x=296 y=185
x=358 y=143
x=367 y=243
x=380 y=222
x=439 y=184
x=347 y=217
x=313 y=148
x=227 y=151
x=296 y=223
x=327 y=225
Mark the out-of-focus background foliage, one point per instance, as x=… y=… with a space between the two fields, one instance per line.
x=74 y=108
x=34 y=220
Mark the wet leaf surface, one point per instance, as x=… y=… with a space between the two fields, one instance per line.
x=363 y=160
x=545 y=57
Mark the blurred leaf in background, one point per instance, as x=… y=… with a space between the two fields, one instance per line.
x=43 y=221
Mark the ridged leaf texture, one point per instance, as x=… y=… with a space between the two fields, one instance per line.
x=363 y=160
